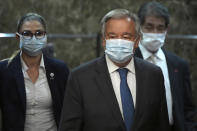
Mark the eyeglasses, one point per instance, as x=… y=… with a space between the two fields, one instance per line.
x=151 y=28
x=28 y=34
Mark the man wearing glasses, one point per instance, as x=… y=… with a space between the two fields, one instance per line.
x=154 y=19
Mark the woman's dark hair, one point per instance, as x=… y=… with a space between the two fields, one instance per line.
x=30 y=17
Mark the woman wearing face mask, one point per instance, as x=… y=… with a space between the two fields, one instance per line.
x=31 y=84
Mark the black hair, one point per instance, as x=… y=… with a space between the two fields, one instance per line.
x=30 y=17
x=153 y=9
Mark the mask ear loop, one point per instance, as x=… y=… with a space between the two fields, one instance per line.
x=18 y=34
x=138 y=36
x=21 y=37
x=136 y=40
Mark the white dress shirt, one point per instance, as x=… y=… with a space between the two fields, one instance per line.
x=115 y=78
x=159 y=59
x=39 y=112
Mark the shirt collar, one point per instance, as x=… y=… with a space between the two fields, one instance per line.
x=112 y=67
x=42 y=62
x=146 y=54
x=25 y=67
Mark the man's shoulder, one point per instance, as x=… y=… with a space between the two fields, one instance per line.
x=147 y=71
x=3 y=63
x=173 y=58
x=145 y=65
x=88 y=66
x=55 y=62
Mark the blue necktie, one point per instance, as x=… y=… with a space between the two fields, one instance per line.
x=126 y=98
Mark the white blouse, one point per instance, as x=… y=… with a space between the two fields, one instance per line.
x=39 y=110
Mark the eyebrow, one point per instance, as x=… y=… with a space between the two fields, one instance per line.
x=110 y=33
x=126 y=33
x=150 y=24
x=30 y=31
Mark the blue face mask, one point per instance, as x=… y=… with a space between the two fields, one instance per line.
x=33 y=47
x=119 y=50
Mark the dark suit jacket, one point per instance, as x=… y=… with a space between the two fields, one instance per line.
x=90 y=103
x=179 y=76
x=12 y=90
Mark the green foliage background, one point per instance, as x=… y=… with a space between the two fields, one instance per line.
x=83 y=17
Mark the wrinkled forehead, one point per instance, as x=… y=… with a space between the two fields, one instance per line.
x=127 y=18
x=121 y=24
x=119 y=28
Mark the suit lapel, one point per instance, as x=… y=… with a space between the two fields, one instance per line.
x=170 y=65
x=171 y=68
x=106 y=88
x=105 y=85
x=138 y=53
x=172 y=71
x=51 y=76
x=15 y=66
x=139 y=93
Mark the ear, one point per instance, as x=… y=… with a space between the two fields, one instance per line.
x=17 y=37
x=137 y=42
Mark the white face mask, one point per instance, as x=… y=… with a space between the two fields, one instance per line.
x=119 y=50
x=33 y=47
x=153 y=41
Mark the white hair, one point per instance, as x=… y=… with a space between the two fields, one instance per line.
x=118 y=14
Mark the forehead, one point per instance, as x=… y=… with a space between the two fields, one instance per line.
x=154 y=20
x=122 y=25
x=32 y=25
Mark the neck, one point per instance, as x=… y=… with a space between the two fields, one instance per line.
x=122 y=64
x=31 y=61
x=153 y=52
